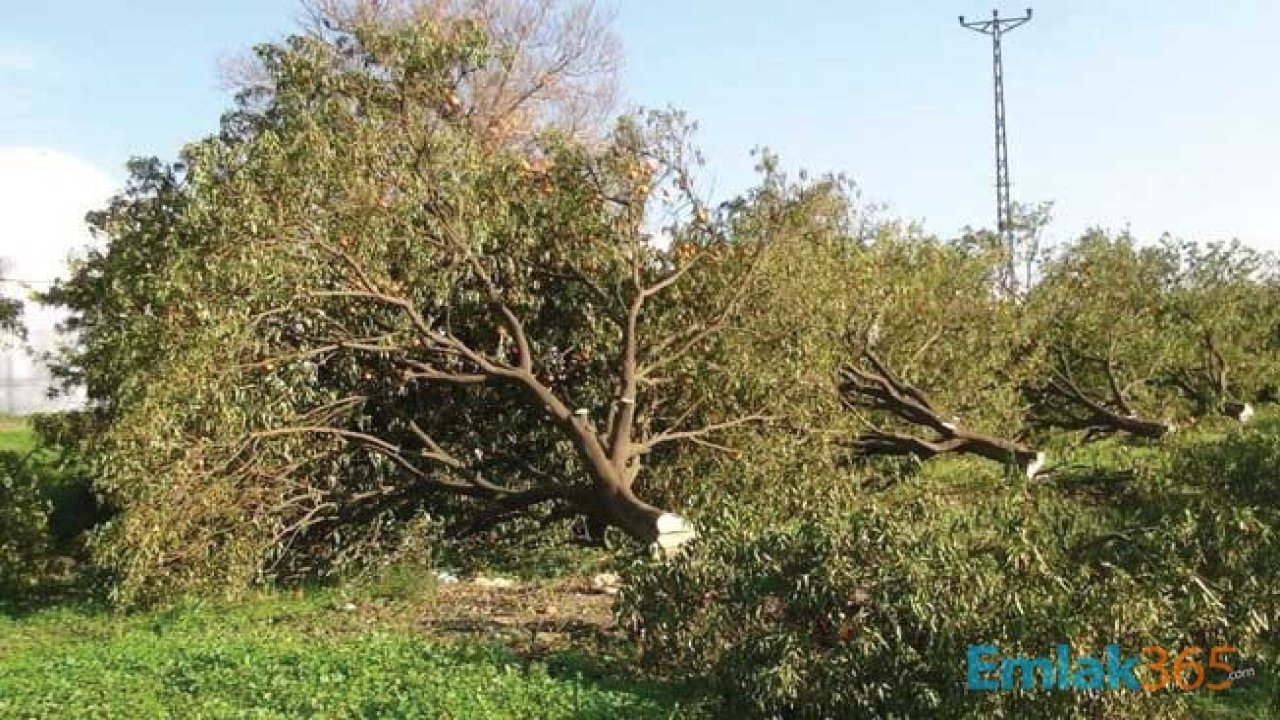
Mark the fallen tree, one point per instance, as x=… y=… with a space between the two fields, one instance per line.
x=870 y=384
x=1062 y=402
x=358 y=312
x=1225 y=306
x=928 y=340
x=1139 y=335
x=1103 y=316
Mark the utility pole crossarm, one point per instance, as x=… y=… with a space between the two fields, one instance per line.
x=988 y=27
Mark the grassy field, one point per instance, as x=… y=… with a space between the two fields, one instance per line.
x=327 y=655
x=332 y=655
x=15 y=436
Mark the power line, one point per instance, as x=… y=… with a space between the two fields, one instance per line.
x=23 y=281
x=997 y=27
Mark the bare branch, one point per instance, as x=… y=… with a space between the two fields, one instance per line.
x=696 y=435
x=1097 y=417
x=881 y=389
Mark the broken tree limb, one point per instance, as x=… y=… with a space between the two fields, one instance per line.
x=1072 y=408
x=1241 y=411
x=871 y=384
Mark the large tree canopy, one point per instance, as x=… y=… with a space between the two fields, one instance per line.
x=1224 y=305
x=348 y=309
x=548 y=63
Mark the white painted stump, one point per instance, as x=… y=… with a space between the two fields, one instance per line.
x=1036 y=465
x=673 y=533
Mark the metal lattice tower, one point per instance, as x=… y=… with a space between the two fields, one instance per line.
x=997 y=27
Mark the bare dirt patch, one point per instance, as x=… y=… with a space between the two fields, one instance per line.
x=534 y=617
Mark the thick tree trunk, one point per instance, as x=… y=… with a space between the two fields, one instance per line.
x=994 y=448
x=1243 y=412
x=954 y=441
x=1141 y=427
x=664 y=532
x=620 y=507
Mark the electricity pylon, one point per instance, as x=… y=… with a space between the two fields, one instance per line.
x=997 y=27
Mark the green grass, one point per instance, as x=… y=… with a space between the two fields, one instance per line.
x=15 y=435
x=278 y=657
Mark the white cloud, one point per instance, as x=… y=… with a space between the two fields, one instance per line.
x=44 y=196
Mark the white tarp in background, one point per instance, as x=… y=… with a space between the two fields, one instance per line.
x=44 y=195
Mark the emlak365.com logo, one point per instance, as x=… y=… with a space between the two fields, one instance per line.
x=1154 y=669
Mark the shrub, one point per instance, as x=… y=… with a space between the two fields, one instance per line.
x=871 y=611
x=1207 y=527
x=47 y=507
x=24 y=524
x=67 y=478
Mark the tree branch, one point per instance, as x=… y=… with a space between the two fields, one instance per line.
x=881 y=389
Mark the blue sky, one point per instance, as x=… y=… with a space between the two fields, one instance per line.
x=1154 y=115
